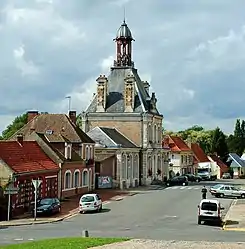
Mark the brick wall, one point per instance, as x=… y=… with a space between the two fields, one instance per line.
x=72 y=167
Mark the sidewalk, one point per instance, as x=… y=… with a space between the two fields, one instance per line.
x=69 y=208
x=235 y=217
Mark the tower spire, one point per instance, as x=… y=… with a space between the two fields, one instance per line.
x=124 y=45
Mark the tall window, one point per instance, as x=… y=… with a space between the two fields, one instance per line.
x=136 y=166
x=76 y=178
x=85 y=178
x=87 y=152
x=67 y=180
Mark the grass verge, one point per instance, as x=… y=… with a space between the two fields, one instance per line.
x=65 y=243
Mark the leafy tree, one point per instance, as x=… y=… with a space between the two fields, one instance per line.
x=17 y=124
x=236 y=142
x=219 y=144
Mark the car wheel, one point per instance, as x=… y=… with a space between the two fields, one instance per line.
x=221 y=195
x=197 y=180
x=168 y=184
x=242 y=195
x=183 y=183
x=199 y=221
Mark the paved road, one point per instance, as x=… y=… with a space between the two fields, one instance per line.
x=168 y=214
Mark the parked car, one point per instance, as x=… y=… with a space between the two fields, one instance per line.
x=213 y=188
x=226 y=176
x=229 y=191
x=48 y=206
x=193 y=178
x=90 y=202
x=177 y=180
x=209 y=210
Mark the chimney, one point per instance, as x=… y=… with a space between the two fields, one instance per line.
x=31 y=115
x=73 y=117
x=20 y=139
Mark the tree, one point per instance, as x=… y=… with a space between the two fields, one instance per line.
x=196 y=134
x=219 y=144
x=236 y=142
x=17 y=124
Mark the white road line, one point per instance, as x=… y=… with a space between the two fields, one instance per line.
x=30 y=239
x=189 y=188
x=196 y=188
x=182 y=188
x=19 y=239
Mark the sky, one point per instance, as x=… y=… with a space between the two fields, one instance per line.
x=191 y=51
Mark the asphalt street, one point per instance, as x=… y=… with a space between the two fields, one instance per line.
x=167 y=214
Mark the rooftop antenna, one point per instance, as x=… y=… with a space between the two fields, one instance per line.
x=124 y=14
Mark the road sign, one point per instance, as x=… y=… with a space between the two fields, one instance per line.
x=36 y=183
x=12 y=191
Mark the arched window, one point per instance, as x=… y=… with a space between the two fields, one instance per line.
x=136 y=166
x=67 y=179
x=87 y=153
x=124 y=165
x=85 y=177
x=91 y=152
x=76 y=178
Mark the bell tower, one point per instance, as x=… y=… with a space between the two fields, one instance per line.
x=124 y=47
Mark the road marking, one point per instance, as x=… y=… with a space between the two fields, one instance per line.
x=197 y=188
x=19 y=239
x=189 y=188
x=182 y=188
x=31 y=239
x=176 y=187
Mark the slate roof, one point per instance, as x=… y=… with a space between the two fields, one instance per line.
x=25 y=157
x=235 y=158
x=176 y=144
x=110 y=137
x=199 y=154
x=223 y=166
x=115 y=101
x=56 y=127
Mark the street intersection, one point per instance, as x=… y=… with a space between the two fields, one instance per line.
x=166 y=214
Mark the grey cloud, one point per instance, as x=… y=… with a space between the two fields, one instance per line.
x=68 y=40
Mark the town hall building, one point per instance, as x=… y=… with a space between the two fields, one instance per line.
x=123 y=102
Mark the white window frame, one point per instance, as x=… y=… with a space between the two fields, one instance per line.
x=68 y=172
x=68 y=148
x=74 y=177
x=85 y=170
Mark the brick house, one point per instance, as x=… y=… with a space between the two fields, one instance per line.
x=199 y=155
x=67 y=145
x=116 y=156
x=123 y=101
x=21 y=162
x=180 y=155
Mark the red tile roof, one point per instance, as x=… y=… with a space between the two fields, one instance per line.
x=200 y=156
x=27 y=157
x=223 y=166
x=176 y=144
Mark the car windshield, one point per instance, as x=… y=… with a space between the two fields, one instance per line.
x=216 y=186
x=46 y=202
x=209 y=206
x=87 y=199
x=202 y=170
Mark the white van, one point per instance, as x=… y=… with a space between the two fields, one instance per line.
x=210 y=210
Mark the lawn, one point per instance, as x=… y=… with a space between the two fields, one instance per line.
x=65 y=243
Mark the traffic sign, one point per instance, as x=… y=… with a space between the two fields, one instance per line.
x=36 y=183
x=12 y=191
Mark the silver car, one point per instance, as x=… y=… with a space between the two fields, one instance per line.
x=228 y=191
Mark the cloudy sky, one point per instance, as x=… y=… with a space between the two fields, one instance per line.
x=191 y=51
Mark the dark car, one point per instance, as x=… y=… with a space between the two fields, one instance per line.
x=177 y=180
x=48 y=206
x=193 y=178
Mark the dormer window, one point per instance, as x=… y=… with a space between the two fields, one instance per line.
x=68 y=148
